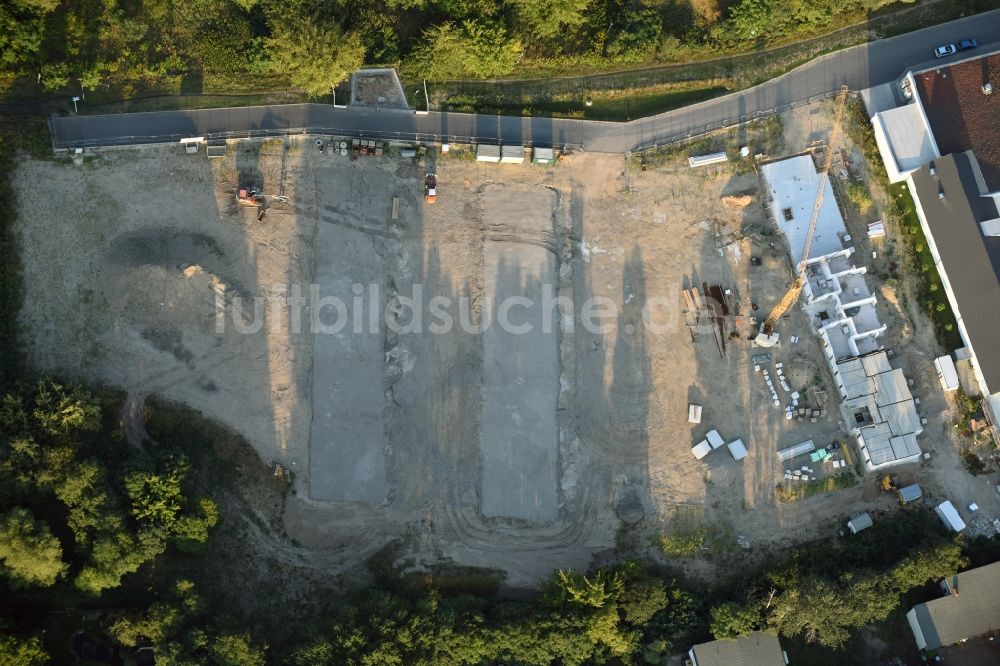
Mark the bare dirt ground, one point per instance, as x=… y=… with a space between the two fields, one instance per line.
x=379 y=88
x=127 y=256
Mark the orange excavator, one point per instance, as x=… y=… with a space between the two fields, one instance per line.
x=248 y=196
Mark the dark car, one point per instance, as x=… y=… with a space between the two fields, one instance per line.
x=967 y=44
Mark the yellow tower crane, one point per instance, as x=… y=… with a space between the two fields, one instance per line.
x=767 y=336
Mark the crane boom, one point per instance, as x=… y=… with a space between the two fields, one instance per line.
x=795 y=289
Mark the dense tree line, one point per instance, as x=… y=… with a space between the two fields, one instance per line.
x=625 y=613
x=80 y=511
x=313 y=45
x=77 y=504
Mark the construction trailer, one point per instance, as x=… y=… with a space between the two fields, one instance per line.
x=948 y=514
x=737 y=449
x=216 y=148
x=858 y=523
x=701 y=449
x=910 y=493
x=512 y=155
x=487 y=153
x=715 y=439
x=543 y=155
x=191 y=144
x=946 y=372
x=694 y=412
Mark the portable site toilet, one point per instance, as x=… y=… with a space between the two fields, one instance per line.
x=909 y=493
x=487 y=153
x=948 y=514
x=858 y=523
x=543 y=155
x=512 y=154
x=737 y=449
x=715 y=439
x=702 y=449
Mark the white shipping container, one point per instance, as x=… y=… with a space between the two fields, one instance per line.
x=946 y=372
x=797 y=450
x=948 y=514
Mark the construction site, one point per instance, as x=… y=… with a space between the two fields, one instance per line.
x=752 y=371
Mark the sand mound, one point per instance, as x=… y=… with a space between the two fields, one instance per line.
x=737 y=202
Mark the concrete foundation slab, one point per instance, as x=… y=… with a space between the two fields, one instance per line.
x=521 y=367
x=347 y=458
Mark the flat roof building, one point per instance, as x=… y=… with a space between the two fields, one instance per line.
x=951 y=127
x=963 y=235
x=962 y=116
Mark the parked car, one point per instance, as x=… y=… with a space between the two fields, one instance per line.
x=946 y=50
x=967 y=44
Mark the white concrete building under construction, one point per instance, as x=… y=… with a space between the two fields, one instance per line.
x=876 y=404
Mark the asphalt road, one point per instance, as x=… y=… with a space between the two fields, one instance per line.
x=859 y=67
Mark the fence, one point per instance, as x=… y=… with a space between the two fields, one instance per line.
x=138 y=140
x=736 y=121
x=430 y=137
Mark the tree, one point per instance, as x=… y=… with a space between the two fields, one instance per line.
x=190 y=532
x=31 y=555
x=640 y=596
x=155 y=495
x=22 y=651
x=636 y=37
x=748 y=20
x=59 y=410
x=825 y=612
x=546 y=19
x=315 y=57
x=236 y=650
x=474 y=49
x=115 y=554
x=21 y=34
x=162 y=621
x=85 y=496
x=932 y=562
x=731 y=619
x=181 y=634
x=571 y=587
